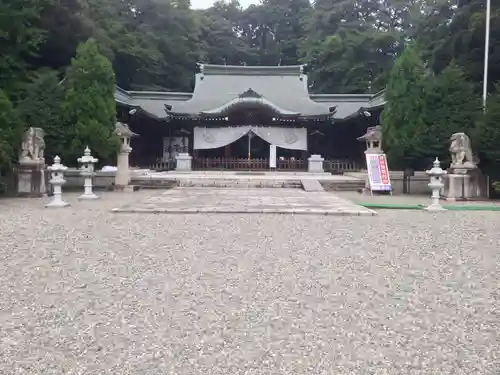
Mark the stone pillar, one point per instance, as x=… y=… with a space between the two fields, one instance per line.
x=184 y=161
x=315 y=164
x=122 y=178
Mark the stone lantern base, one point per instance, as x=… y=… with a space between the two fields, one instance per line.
x=88 y=197
x=125 y=188
x=57 y=204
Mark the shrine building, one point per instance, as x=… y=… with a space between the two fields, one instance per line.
x=235 y=114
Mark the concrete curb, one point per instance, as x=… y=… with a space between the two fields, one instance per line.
x=246 y=211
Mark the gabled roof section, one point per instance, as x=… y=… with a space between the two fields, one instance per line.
x=283 y=86
x=249 y=99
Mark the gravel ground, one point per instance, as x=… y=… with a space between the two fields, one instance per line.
x=85 y=291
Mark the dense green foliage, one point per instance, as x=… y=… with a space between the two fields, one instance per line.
x=10 y=132
x=424 y=109
x=41 y=107
x=488 y=134
x=404 y=116
x=89 y=104
x=349 y=46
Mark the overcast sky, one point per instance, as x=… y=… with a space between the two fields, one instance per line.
x=203 y=4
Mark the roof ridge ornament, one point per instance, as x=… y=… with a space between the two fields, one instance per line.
x=250 y=93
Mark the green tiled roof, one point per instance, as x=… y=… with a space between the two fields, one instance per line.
x=220 y=87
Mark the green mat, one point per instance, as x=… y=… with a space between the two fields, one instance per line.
x=470 y=207
x=463 y=207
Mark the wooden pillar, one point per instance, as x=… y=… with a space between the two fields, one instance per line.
x=305 y=155
x=227 y=151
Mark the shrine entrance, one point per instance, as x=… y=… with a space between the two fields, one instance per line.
x=251 y=151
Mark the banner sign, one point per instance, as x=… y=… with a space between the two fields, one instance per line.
x=378 y=173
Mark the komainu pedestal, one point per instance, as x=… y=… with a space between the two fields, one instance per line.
x=464 y=179
x=31 y=179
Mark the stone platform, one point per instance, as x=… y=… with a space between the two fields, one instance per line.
x=245 y=179
x=249 y=200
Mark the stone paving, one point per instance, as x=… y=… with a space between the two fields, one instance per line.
x=250 y=200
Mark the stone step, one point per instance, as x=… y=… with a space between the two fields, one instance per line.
x=311 y=185
x=166 y=182
x=345 y=186
x=154 y=184
x=242 y=183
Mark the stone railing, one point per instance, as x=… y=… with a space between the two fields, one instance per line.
x=337 y=166
x=417 y=184
x=162 y=165
x=101 y=180
x=246 y=164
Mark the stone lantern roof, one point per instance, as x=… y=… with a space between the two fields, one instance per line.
x=122 y=130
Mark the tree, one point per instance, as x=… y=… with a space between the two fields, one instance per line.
x=366 y=60
x=488 y=136
x=219 y=38
x=404 y=116
x=10 y=133
x=89 y=105
x=459 y=35
x=20 y=36
x=452 y=107
x=41 y=107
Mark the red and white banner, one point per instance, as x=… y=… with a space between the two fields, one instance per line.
x=378 y=173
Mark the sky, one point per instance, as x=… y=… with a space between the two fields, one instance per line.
x=203 y=4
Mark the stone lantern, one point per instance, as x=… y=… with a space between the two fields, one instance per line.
x=122 y=178
x=436 y=184
x=373 y=140
x=87 y=162
x=57 y=180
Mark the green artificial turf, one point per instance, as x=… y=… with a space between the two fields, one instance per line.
x=449 y=207
x=470 y=207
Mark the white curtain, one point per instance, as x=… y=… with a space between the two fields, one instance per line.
x=289 y=138
x=207 y=138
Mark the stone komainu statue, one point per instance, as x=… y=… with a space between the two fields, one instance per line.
x=460 y=150
x=33 y=145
